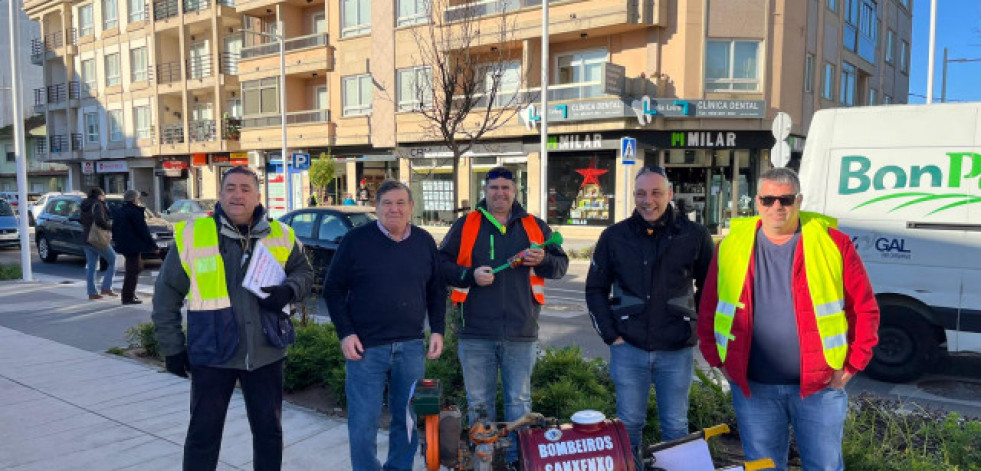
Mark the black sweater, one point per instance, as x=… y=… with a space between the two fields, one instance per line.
x=382 y=290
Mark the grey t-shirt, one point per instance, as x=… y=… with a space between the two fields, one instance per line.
x=774 y=357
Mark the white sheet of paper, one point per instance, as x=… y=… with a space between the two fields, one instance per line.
x=264 y=270
x=691 y=456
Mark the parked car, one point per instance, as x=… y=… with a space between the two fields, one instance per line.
x=59 y=228
x=12 y=197
x=321 y=230
x=184 y=210
x=35 y=208
x=9 y=235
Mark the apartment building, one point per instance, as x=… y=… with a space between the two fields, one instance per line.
x=138 y=94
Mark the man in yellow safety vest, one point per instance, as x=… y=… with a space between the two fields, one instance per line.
x=789 y=314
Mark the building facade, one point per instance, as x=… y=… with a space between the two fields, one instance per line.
x=29 y=73
x=690 y=85
x=42 y=177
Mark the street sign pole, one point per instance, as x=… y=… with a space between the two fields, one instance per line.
x=628 y=154
x=17 y=99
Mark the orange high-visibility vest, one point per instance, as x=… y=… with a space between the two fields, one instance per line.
x=465 y=258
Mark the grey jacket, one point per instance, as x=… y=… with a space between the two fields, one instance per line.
x=254 y=350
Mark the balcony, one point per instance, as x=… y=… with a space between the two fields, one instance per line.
x=76 y=141
x=191 y=6
x=169 y=72
x=202 y=130
x=37 y=51
x=58 y=143
x=294 y=117
x=293 y=44
x=40 y=99
x=56 y=93
x=228 y=63
x=226 y=3
x=165 y=9
x=172 y=134
x=199 y=67
x=566 y=16
x=40 y=147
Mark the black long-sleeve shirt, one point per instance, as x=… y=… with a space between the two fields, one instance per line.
x=382 y=290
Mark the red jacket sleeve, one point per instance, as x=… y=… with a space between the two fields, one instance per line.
x=861 y=308
x=706 y=314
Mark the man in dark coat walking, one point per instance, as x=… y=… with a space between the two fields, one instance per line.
x=132 y=240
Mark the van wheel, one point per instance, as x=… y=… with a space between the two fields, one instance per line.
x=44 y=250
x=907 y=346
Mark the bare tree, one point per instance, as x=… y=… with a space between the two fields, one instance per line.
x=472 y=88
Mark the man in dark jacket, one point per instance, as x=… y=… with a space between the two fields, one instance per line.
x=95 y=212
x=382 y=286
x=233 y=335
x=499 y=312
x=649 y=262
x=132 y=238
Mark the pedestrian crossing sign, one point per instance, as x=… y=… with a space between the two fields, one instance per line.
x=628 y=150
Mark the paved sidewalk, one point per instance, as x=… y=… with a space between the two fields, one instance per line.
x=64 y=408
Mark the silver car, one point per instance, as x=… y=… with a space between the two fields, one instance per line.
x=185 y=210
x=9 y=235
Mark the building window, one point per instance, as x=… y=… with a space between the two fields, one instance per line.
x=828 y=85
x=355 y=17
x=868 y=19
x=115 y=125
x=890 y=39
x=903 y=56
x=886 y=100
x=137 y=11
x=847 y=87
x=260 y=96
x=578 y=75
x=732 y=65
x=138 y=64
x=415 y=86
x=357 y=95
x=88 y=75
x=833 y=5
x=85 y=26
x=112 y=69
x=109 y=12
x=413 y=12
x=872 y=96
x=141 y=121
x=508 y=75
x=92 y=127
x=809 y=73
x=11 y=157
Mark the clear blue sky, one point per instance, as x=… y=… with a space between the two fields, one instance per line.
x=959 y=30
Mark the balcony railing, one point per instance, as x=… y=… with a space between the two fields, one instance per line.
x=199 y=67
x=165 y=9
x=172 y=134
x=75 y=90
x=228 y=63
x=76 y=141
x=292 y=44
x=191 y=6
x=489 y=7
x=40 y=96
x=56 y=93
x=54 y=40
x=58 y=142
x=295 y=117
x=169 y=72
x=202 y=130
x=231 y=128
x=40 y=147
x=37 y=51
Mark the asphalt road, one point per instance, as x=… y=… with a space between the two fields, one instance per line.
x=564 y=321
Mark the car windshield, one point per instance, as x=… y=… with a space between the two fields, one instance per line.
x=5 y=209
x=360 y=219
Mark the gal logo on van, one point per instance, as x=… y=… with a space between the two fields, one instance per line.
x=855 y=178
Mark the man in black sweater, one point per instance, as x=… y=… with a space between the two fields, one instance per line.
x=381 y=284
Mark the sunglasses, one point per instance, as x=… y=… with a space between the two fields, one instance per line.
x=652 y=169
x=785 y=200
x=499 y=174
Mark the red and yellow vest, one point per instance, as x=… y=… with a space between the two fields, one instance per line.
x=471 y=228
x=823 y=266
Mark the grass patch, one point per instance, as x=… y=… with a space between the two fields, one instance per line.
x=143 y=336
x=10 y=271
x=116 y=351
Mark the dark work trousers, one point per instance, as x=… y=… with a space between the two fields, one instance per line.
x=134 y=265
x=211 y=390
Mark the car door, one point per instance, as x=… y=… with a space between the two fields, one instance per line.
x=74 y=231
x=330 y=230
x=54 y=226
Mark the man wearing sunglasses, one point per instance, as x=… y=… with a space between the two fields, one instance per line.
x=789 y=315
x=499 y=311
x=641 y=295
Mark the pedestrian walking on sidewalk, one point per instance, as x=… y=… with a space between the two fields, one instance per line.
x=133 y=239
x=232 y=334
x=94 y=212
x=499 y=312
x=641 y=293
x=382 y=286
x=789 y=314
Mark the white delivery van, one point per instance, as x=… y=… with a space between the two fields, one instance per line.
x=905 y=184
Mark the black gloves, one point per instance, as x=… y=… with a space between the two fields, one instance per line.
x=179 y=364
x=279 y=296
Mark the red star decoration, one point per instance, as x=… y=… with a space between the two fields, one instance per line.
x=590 y=174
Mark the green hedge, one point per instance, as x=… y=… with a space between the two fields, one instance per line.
x=10 y=271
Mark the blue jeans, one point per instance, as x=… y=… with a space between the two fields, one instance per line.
x=765 y=418
x=92 y=255
x=481 y=360
x=633 y=370
x=399 y=365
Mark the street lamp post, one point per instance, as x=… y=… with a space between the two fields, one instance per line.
x=943 y=81
x=281 y=38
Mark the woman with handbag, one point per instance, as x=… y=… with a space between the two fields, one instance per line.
x=132 y=240
x=97 y=232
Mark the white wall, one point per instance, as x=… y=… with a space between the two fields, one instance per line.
x=30 y=73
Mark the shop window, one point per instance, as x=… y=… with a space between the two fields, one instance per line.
x=432 y=187
x=479 y=167
x=732 y=65
x=582 y=188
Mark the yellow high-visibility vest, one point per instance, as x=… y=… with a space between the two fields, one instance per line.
x=197 y=245
x=823 y=265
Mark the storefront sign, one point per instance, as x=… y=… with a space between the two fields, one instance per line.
x=712 y=140
x=199 y=160
x=237 y=161
x=365 y=158
x=88 y=168
x=613 y=75
x=575 y=142
x=644 y=110
x=111 y=167
x=219 y=159
x=173 y=165
x=435 y=151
